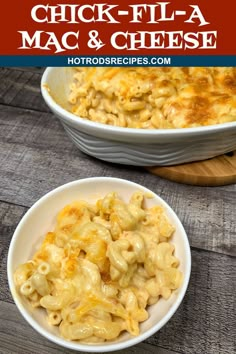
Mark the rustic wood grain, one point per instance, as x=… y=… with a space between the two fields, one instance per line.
x=10 y=216
x=36 y=156
x=24 y=340
x=21 y=88
x=32 y=69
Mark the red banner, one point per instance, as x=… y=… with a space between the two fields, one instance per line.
x=197 y=27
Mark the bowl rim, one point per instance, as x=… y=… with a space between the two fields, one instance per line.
x=126 y=132
x=107 y=347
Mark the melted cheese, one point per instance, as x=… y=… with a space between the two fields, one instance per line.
x=151 y=98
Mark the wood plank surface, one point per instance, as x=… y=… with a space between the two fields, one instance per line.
x=21 y=88
x=34 y=69
x=10 y=216
x=36 y=156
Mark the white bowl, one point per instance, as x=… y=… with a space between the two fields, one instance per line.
x=40 y=218
x=130 y=146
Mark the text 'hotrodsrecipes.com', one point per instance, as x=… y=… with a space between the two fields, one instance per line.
x=119 y=61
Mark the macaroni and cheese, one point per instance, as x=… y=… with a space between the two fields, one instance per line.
x=152 y=98
x=100 y=268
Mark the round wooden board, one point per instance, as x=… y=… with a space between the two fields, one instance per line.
x=218 y=171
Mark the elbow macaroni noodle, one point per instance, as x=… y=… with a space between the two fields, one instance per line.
x=100 y=268
x=154 y=98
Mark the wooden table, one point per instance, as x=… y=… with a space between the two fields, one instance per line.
x=37 y=156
